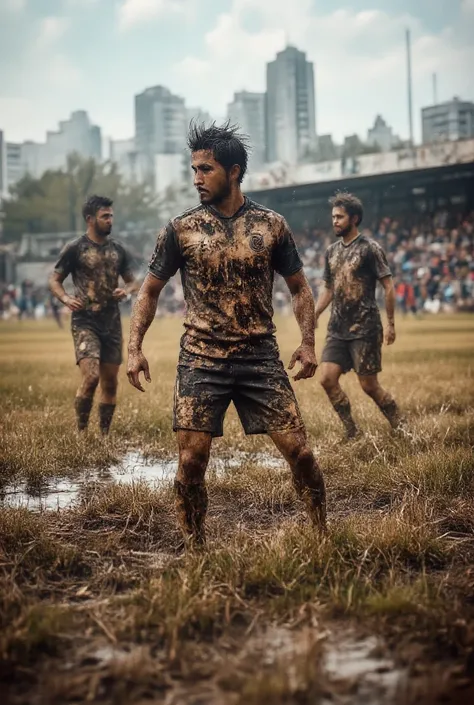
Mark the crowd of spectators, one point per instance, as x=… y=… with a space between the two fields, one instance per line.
x=432 y=261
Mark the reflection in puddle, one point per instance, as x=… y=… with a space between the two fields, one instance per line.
x=353 y=659
x=363 y=675
x=134 y=467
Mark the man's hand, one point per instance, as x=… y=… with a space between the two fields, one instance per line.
x=307 y=357
x=137 y=363
x=72 y=303
x=119 y=294
x=390 y=334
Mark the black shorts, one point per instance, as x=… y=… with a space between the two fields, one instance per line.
x=364 y=355
x=98 y=335
x=261 y=392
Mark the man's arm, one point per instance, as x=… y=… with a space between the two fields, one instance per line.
x=303 y=307
x=57 y=289
x=324 y=299
x=389 y=289
x=131 y=286
x=142 y=317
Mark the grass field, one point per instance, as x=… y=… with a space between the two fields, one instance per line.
x=96 y=605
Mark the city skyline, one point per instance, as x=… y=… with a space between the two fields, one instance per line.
x=61 y=55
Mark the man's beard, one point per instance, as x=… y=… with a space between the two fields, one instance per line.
x=344 y=231
x=219 y=196
x=103 y=233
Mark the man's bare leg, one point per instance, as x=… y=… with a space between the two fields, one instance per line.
x=382 y=398
x=89 y=368
x=329 y=379
x=191 y=493
x=307 y=476
x=108 y=394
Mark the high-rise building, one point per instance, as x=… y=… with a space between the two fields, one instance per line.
x=453 y=120
x=76 y=135
x=381 y=135
x=290 y=109
x=131 y=164
x=198 y=115
x=3 y=166
x=21 y=158
x=247 y=110
x=160 y=124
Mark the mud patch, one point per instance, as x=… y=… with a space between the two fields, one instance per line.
x=284 y=665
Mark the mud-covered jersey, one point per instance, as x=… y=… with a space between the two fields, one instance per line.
x=352 y=271
x=227 y=269
x=95 y=270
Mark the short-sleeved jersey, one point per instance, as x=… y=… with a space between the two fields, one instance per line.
x=227 y=270
x=352 y=271
x=95 y=270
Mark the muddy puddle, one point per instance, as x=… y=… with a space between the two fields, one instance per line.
x=134 y=467
x=350 y=670
x=338 y=666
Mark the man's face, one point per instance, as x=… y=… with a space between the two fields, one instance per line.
x=103 y=221
x=341 y=222
x=210 y=178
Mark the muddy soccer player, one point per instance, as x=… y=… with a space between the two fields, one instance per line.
x=96 y=262
x=227 y=250
x=353 y=266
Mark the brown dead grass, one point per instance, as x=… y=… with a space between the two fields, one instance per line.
x=397 y=557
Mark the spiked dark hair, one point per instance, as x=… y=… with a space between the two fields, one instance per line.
x=351 y=204
x=227 y=144
x=94 y=204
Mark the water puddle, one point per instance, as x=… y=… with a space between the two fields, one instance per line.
x=358 y=661
x=61 y=494
x=354 y=668
x=333 y=666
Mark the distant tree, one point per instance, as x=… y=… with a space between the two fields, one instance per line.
x=53 y=202
x=354 y=147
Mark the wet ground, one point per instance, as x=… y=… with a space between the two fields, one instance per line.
x=336 y=667
x=63 y=493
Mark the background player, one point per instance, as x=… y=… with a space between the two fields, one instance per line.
x=353 y=265
x=228 y=249
x=96 y=262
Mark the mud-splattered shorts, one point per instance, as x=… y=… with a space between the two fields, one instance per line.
x=261 y=392
x=98 y=335
x=364 y=355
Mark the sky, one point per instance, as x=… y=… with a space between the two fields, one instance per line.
x=57 y=56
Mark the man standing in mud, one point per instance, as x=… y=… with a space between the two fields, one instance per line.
x=353 y=265
x=228 y=249
x=96 y=262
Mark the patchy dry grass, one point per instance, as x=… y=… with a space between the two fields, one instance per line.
x=106 y=573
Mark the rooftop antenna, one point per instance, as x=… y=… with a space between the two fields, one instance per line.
x=410 y=108
x=435 y=89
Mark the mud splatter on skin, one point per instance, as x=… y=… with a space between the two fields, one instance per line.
x=309 y=485
x=83 y=406
x=95 y=270
x=389 y=408
x=352 y=272
x=106 y=413
x=342 y=407
x=191 y=503
x=227 y=269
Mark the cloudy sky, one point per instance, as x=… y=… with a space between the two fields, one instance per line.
x=60 y=55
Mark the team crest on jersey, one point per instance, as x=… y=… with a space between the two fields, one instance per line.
x=256 y=242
